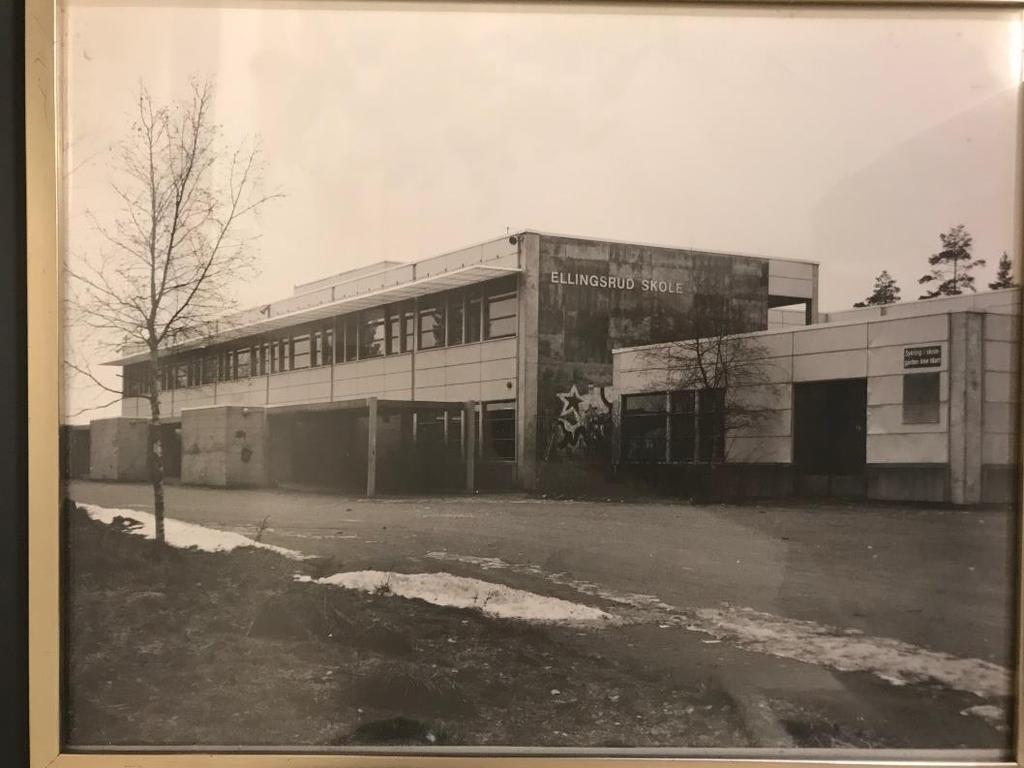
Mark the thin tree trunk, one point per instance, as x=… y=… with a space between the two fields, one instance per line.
x=156 y=453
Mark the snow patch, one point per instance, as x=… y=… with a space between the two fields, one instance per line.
x=847 y=650
x=461 y=592
x=991 y=713
x=891 y=660
x=182 y=535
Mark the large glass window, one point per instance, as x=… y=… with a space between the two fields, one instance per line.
x=395 y=338
x=242 y=361
x=644 y=427
x=474 y=316
x=371 y=334
x=351 y=328
x=500 y=311
x=921 y=398
x=682 y=426
x=300 y=352
x=499 y=431
x=710 y=425
x=431 y=326
x=210 y=369
x=456 y=314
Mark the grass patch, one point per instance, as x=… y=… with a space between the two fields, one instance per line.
x=176 y=647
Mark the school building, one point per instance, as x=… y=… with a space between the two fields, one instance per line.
x=531 y=362
x=914 y=401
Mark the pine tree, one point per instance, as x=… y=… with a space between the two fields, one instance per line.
x=1004 y=274
x=951 y=266
x=886 y=291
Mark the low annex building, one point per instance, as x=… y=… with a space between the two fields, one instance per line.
x=914 y=401
x=490 y=367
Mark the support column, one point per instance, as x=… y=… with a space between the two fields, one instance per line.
x=371 y=447
x=469 y=421
x=966 y=366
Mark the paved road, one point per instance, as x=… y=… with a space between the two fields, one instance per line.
x=937 y=580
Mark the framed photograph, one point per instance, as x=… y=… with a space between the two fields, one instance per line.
x=459 y=382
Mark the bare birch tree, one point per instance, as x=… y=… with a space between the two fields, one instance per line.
x=170 y=255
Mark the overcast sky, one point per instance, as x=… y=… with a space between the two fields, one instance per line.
x=851 y=138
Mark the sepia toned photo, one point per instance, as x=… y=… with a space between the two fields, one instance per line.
x=443 y=378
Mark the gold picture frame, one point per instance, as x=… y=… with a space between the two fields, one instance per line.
x=44 y=173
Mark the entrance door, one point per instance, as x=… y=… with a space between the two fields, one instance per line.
x=829 y=436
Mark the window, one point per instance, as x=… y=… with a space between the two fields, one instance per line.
x=209 y=369
x=499 y=431
x=474 y=310
x=683 y=426
x=242 y=359
x=394 y=335
x=371 y=334
x=408 y=329
x=456 y=314
x=644 y=427
x=351 y=328
x=500 y=311
x=431 y=326
x=261 y=356
x=321 y=352
x=710 y=425
x=921 y=398
x=300 y=352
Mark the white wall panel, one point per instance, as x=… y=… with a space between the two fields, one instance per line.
x=913 y=330
x=841 y=337
x=888 y=420
x=1000 y=418
x=999 y=387
x=830 y=365
x=753 y=450
x=998 y=449
x=788 y=286
x=908 y=449
x=1001 y=356
x=1002 y=327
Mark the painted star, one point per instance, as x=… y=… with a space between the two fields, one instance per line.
x=570 y=401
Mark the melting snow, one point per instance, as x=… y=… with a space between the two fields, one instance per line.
x=846 y=650
x=185 y=535
x=892 y=660
x=461 y=592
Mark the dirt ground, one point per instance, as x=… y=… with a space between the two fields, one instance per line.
x=176 y=647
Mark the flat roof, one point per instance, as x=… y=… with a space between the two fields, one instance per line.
x=939 y=305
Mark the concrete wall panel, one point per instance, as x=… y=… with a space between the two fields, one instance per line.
x=888 y=420
x=998 y=448
x=843 y=337
x=830 y=365
x=756 y=450
x=914 y=330
x=908 y=449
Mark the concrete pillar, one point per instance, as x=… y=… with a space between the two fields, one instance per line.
x=528 y=369
x=119 y=449
x=469 y=420
x=371 y=447
x=966 y=402
x=225 y=445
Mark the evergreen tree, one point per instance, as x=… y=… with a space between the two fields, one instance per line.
x=951 y=266
x=886 y=291
x=1004 y=274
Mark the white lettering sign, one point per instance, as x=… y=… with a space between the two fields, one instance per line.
x=619 y=283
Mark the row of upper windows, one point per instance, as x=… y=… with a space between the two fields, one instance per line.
x=483 y=312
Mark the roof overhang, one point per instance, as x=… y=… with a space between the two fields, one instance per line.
x=458 y=278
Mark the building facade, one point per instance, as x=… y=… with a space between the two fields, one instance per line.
x=914 y=401
x=491 y=367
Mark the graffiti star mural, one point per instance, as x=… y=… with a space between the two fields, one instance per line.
x=583 y=421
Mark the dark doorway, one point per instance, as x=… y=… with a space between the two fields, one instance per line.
x=829 y=436
x=170 y=448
